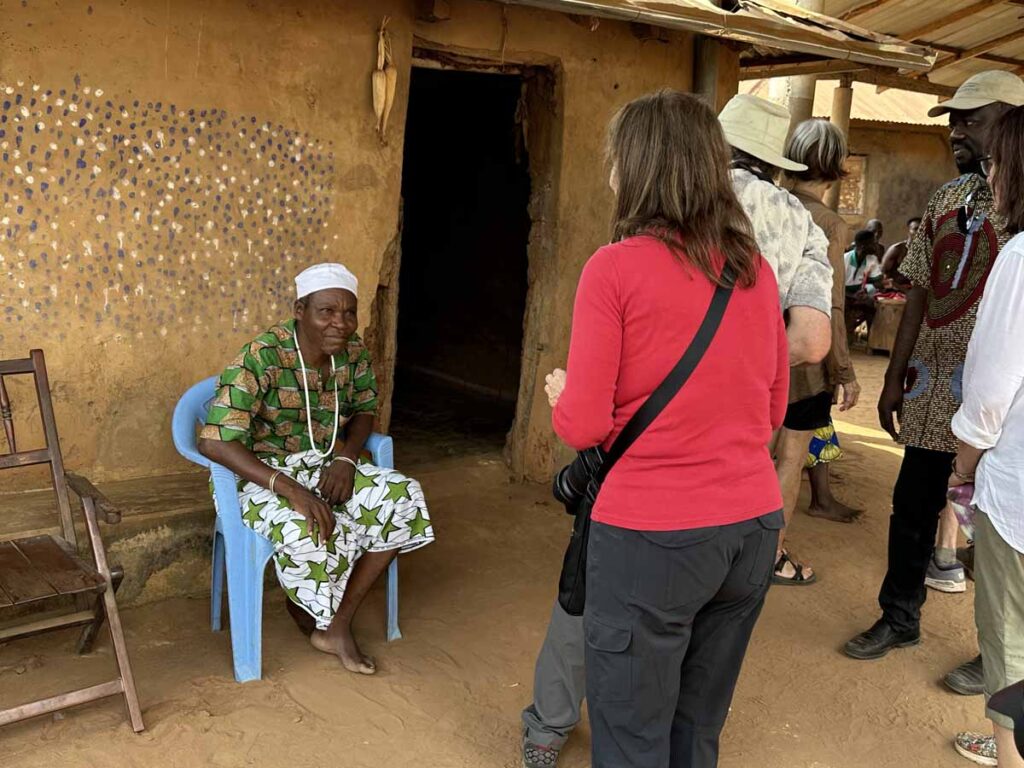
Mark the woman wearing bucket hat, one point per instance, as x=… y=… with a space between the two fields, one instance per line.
x=797 y=250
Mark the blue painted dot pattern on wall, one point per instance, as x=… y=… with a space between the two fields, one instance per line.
x=146 y=215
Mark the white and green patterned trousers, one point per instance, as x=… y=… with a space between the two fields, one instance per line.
x=387 y=511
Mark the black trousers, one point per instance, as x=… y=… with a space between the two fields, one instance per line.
x=917 y=503
x=667 y=623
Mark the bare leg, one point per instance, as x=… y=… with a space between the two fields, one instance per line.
x=1009 y=757
x=823 y=503
x=790 y=456
x=337 y=638
x=949 y=528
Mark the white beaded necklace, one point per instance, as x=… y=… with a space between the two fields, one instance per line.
x=309 y=411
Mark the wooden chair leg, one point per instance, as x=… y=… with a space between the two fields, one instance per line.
x=88 y=636
x=124 y=666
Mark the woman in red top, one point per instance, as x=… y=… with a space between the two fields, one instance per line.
x=686 y=524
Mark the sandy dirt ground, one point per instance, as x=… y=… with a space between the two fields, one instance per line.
x=474 y=609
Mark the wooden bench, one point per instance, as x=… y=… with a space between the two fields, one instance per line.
x=34 y=569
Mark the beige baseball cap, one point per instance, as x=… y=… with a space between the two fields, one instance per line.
x=982 y=89
x=758 y=127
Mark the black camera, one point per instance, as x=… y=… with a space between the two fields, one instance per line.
x=573 y=481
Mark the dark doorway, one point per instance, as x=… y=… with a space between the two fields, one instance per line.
x=463 y=276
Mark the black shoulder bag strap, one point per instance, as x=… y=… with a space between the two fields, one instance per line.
x=572 y=588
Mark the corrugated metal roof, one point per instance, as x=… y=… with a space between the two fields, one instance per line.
x=891 y=106
x=992 y=20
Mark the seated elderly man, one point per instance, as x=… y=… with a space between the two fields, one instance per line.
x=335 y=521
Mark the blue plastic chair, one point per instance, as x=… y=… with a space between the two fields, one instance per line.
x=242 y=550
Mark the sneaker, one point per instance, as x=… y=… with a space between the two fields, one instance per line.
x=976 y=748
x=946 y=578
x=536 y=756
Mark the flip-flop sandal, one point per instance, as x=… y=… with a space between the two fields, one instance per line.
x=797 y=579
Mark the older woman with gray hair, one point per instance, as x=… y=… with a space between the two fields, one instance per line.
x=820 y=146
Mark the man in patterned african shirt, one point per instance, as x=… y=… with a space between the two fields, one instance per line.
x=336 y=522
x=948 y=262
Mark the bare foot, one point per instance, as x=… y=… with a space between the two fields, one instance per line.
x=835 y=511
x=343 y=645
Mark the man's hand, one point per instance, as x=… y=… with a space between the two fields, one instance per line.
x=554 y=386
x=317 y=512
x=336 y=483
x=890 y=403
x=851 y=395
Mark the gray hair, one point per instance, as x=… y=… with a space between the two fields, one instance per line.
x=820 y=146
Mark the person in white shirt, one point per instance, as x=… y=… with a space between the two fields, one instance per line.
x=990 y=428
x=862 y=266
x=863 y=279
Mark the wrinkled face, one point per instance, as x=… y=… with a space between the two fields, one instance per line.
x=968 y=135
x=328 y=319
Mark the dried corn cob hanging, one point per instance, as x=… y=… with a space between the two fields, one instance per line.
x=384 y=80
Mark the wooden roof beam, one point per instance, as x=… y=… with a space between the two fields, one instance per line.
x=873 y=77
x=863 y=8
x=976 y=51
x=947 y=20
x=1008 y=60
x=790 y=69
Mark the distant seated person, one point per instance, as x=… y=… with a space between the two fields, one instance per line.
x=863 y=279
x=876 y=228
x=894 y=257
x=291 y=417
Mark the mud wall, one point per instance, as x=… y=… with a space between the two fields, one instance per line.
x=905 y=165
x=167 y=166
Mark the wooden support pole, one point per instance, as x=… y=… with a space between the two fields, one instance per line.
x=842 y=104
x=801 y=88
x=716 y=72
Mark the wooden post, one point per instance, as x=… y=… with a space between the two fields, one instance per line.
x=801 y=87
x=842 y=101
x=716 y=72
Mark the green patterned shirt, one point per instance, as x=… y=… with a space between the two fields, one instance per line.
x=260 y=399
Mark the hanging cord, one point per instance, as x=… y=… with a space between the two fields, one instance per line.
x=309 y=411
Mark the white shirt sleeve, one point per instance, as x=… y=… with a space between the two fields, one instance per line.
x=994 y=369
x=874 y=268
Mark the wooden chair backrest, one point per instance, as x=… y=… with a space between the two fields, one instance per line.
x=35 y=365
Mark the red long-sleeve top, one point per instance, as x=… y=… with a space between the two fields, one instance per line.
x=705 y=460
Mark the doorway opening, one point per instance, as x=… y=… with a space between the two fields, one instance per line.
x=463 y=276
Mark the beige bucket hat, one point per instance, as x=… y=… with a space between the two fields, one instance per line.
x=758 y=127
x=982 y=89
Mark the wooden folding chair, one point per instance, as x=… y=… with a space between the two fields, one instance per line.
x=40 y=568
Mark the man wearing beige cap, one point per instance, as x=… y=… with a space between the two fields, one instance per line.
x=948 y=263
x=797 y=249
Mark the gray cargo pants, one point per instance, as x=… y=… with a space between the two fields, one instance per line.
x=558 y=683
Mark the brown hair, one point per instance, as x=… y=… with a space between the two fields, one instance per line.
x=1006 y=144
x=672 y=163
x=820 y=146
